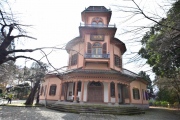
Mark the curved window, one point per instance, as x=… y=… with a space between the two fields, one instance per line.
x=95 y=84
x=97 y=21
x=100 y=24
x=112 y=89
x=89 y=48
x=97 y=45
x=94 y=23
x=97 y=50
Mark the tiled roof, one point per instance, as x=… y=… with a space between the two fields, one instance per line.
x=130 y=73
x=96 y=9
x=94 y=71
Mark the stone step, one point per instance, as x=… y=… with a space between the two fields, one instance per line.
x=97 y=109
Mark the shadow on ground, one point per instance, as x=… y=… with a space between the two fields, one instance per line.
x=33 y=113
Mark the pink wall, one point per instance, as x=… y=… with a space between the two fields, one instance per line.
x=140 y=86
x=102 y=66
x=48 y=82
x=114 y=50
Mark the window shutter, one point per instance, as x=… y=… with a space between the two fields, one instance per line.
x=76 y=58
x=134 y=93
x=104 y=48
x=89 y=48
x=120 y=62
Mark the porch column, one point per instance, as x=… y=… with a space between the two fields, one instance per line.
x=82 y=90
x=75 y=92
x=116 y=94
x=129 y=94
x=109 y=92
x=65 y=91
x=60 y=91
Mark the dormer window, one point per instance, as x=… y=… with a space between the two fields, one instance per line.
x=97 y=22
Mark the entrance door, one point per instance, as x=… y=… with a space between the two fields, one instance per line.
x=95 y=92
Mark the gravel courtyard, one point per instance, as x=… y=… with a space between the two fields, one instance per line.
x=41 y=113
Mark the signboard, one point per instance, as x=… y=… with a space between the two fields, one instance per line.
x=97 y=37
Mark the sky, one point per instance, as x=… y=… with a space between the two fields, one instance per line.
x=55 y=22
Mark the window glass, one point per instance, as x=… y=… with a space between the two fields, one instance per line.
x=136 y=94
x=100 y=24
x=89 y=48
x=97 y=50
x=117 y=61
x=104 y=48
x=94 y=23
x=97 y=45
x=112 y=89
x=74 y=59
x=45 y=90
x=41 y=91
x=52 y=90
x=126 y=91
x=143 y=94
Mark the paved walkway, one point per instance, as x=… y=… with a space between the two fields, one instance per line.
x=4 y=101
x=41 y=113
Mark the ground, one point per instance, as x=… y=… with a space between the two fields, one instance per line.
x=41 y=113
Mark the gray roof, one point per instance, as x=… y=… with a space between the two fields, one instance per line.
x=96 y=9
x=94 y=71
x=130 y=73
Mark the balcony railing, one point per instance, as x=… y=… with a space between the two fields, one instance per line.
x=89 y=55
x=97 y=25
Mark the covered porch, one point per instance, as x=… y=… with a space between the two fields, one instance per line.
x=99 y=91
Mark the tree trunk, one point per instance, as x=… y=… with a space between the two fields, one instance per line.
x=30 y=98
x=178 y=100
x=37 y=99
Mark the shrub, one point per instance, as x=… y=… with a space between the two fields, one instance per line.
x=157 y=103
x=151 y=102
x=164 y=103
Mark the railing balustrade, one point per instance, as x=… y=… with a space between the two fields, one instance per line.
x=89 y=55
x=98 y=25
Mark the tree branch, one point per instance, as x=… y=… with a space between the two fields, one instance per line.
x=141 y=11
x=17 y=36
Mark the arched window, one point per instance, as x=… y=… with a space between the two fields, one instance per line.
x=112 y=89
x=100 y=24
x=97 y=49
x=94 y=23
x=95 y=84
x=97 y=21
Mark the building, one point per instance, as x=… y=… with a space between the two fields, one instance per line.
x=95 y=73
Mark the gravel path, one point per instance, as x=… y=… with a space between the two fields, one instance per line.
x=41 y=113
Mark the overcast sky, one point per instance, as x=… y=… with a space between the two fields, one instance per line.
x=55 y=22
